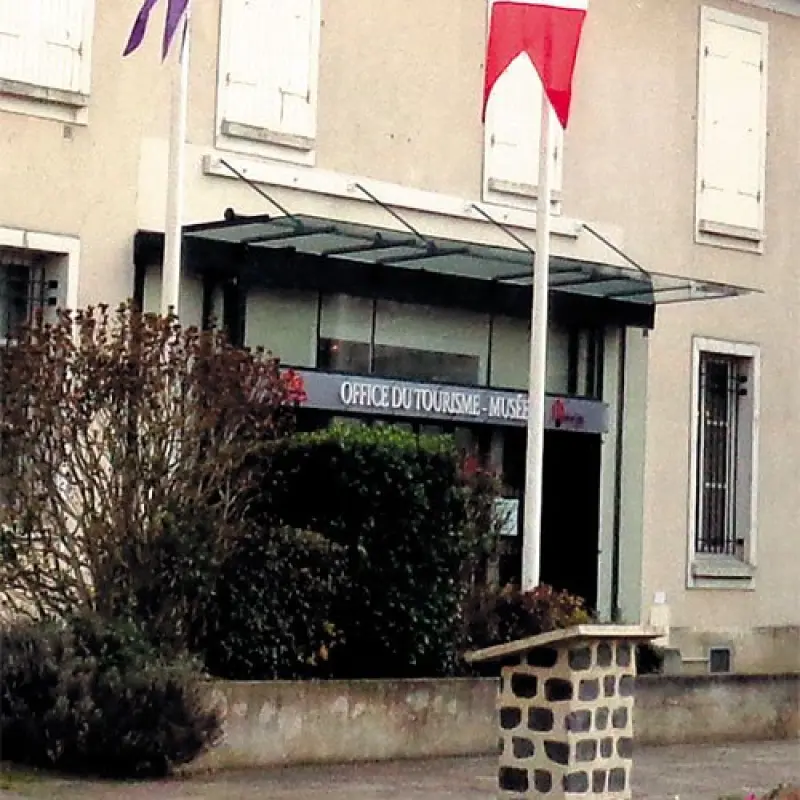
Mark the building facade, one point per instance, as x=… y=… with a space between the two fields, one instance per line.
x=347 y=209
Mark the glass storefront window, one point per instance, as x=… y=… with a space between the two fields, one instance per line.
x=345 y=332
x=586 y=355
x=338 y=355
x=417 y=342
x=283 y=322
x=511 y=355
x=574 y=358
x=346 y=318
x=431 y=344
x=425 y=365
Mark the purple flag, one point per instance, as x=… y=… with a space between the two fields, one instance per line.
x=139 y=27
x=175 y=11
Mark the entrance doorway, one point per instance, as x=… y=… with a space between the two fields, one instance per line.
x=570 y=508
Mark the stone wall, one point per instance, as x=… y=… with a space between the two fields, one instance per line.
x=566 y=721
x=280 y=723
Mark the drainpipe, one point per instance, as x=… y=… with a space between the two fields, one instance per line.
x=618 y=463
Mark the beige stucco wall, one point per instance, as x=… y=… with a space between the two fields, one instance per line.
x=400 y=103
x=282 y=723
x=662 y=229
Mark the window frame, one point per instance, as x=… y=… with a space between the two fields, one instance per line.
x=264 y=142
x=32 y=274
x=47 y=102
x=709 y=570
x=708 y=231
x=63 y=254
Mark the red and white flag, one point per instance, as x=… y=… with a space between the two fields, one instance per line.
x=549 y=31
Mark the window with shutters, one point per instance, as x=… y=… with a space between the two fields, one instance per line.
x=732 y=129
x=269 y=54
x=511 y=139
x=724 y=447
x=45 y=50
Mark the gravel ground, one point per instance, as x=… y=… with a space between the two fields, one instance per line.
x=688 y=773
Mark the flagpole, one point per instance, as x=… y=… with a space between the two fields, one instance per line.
x=173 y=230
x=532 y=522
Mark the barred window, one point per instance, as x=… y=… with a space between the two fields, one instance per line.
x=722 y=473
x=24 y=288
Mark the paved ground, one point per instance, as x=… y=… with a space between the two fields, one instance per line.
x=689 y=773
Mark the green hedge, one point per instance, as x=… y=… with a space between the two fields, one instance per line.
x=274 y=611
x=393 y=507
x=93 y=697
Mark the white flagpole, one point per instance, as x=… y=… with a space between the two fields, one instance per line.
x=532 y=523
x=173 y=231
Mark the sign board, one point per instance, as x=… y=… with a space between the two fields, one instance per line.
x=445 y=402
x=506 y=510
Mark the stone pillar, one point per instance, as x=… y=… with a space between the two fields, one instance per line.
x=566 y=714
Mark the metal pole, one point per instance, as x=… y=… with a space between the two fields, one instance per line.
x=532 y=523
x=173 y=231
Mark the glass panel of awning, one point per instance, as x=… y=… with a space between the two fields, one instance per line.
x=409 y=251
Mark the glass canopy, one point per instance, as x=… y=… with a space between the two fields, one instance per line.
x=356 y=243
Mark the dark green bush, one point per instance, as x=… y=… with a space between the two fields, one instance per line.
x=94 y=697
x=275 y=607
x=165 y=582
x=482 y=524
x=497 y=615
x=395 y=506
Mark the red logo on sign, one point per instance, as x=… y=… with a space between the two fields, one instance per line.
x=560 y=415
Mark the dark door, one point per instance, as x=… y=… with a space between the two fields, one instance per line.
x=570 y=513
x=570 y=509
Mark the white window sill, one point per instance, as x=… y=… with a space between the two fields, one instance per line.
x=522 y=196
x=498 y=186
x=721 y=572
x=265 y=143
x=18 y=97
x=731 y=237
x=238 y=131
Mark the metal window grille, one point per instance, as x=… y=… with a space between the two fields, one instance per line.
x=723 y=382
x=23 y=289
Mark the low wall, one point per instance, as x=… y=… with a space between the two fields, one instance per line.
x=280 y=723
x=331 y=721
x=714 y=709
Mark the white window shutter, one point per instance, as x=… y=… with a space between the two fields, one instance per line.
x=512 y=133
x=61 y=36
x=270 y=65
x=13 y=16
x=248 y=100
x=732 y=126
x=297 y=47
x=42 y=43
